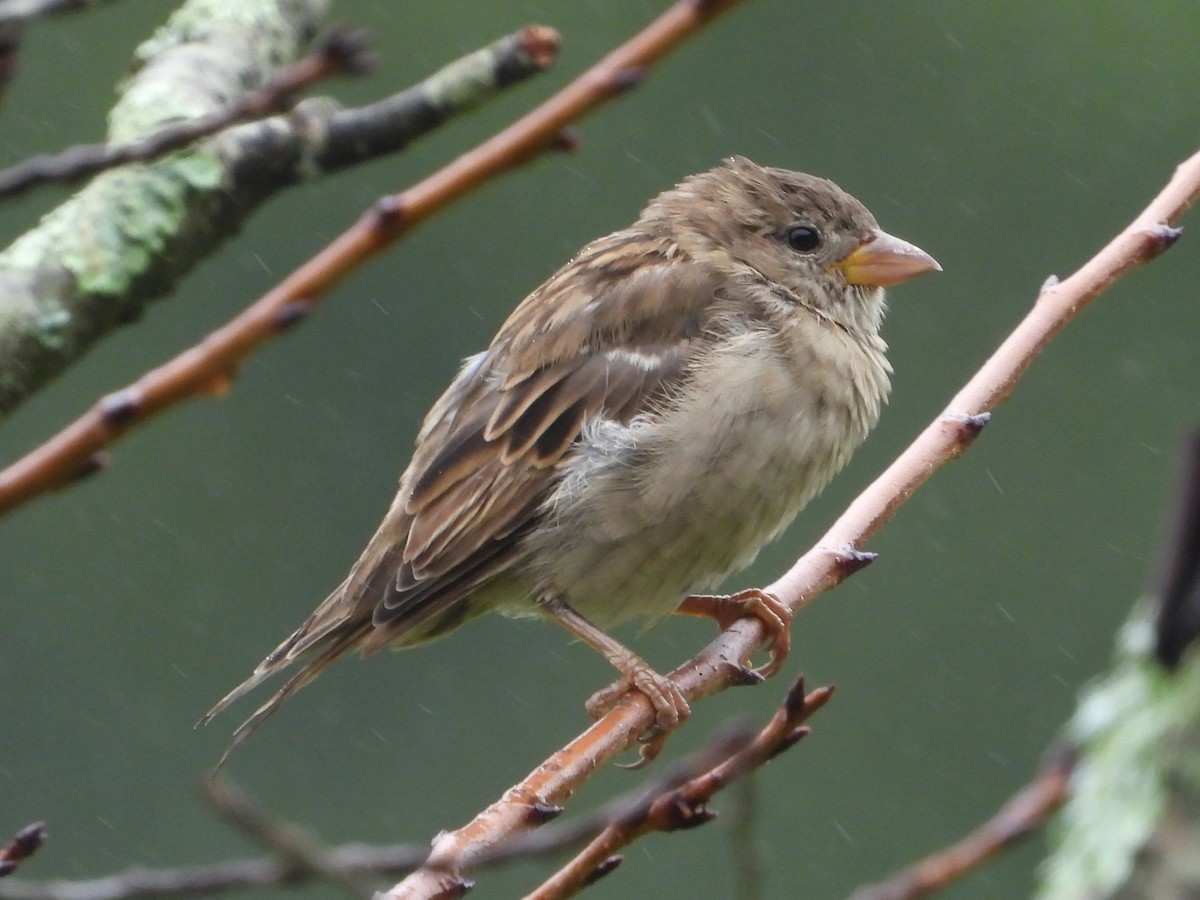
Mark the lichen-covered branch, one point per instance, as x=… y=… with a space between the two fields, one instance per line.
x=92 y=263
x=208 y=366
x=1131 y=825
x=130 y=235
x=340 y=51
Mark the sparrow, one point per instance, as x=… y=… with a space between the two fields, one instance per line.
x=640 y=426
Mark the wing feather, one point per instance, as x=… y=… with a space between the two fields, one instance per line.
x=598 y=339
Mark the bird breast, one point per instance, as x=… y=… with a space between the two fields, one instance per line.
x=671 y=502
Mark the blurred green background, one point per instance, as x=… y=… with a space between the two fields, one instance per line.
x=1011 y=141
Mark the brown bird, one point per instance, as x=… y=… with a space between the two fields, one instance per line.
x=641 y=425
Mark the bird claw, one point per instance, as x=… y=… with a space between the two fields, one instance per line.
x=670 y=707
x=775 y=615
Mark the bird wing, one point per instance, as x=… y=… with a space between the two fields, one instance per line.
x=580 y=347
x=608 y=335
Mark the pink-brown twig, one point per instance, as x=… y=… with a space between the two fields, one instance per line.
x=687 y=805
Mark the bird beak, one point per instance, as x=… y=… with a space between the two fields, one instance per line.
x=882 y=260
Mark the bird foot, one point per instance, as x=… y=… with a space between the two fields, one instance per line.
x=775 y=615
x=671 y=708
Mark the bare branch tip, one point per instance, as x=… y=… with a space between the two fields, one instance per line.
x=93 y=465
x=30 y=838
x=799 y=705
x=293 y=313
x=605 y=868
x=818 y=697
x=120 y=409
x=24 y=844
x=970 y=423
x=541 y=43
x=1163 y=237
x=346 y=49
x=850 y=559
x=628 y=78
x=795 y=700
x=541 y=813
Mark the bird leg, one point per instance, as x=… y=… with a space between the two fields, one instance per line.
x=775 y=615
x=670 y=706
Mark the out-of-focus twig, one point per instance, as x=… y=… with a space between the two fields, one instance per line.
x=17 y=11
x=10 y=50
x=672 y=799
x=301 y=854
x=339 y=52
x=141 y=883
x=24 y=844
x=1177 y=623
x=1023 y=813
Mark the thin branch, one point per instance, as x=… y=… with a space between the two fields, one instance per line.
x=745 y=852
x=687 y=805
x=835 y=556
x=18 y=11
x=10 y=50
x=210 y=365
x=24 y=844
x=632 y=807
x=297 y=859
x=339 y=52
x=350 y=136
x=1026 y=811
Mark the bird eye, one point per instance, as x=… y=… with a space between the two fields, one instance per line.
x=803 y=238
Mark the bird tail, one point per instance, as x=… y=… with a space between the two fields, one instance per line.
x=331 y=626
x=311 y=669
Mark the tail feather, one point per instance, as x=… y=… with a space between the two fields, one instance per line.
x=300 y=642
x=311 y=669
x=333 y=626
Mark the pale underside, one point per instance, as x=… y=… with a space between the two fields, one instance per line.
x=640 y=426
